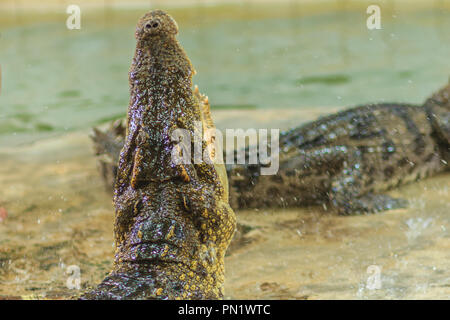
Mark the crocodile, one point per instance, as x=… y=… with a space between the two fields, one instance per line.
x=173 y=222
x=346 y=160
x=341 y=161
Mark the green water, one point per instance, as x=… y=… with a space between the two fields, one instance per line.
x=56 y=80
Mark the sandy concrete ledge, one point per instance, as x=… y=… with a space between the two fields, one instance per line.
x=60 y=215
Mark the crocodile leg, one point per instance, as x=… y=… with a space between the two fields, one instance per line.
x=351 y=194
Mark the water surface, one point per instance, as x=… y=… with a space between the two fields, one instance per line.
x=247 y=56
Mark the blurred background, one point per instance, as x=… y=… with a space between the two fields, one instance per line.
x=263 y=64
x=248 y=54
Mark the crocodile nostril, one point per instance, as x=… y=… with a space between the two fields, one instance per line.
x=151 y=24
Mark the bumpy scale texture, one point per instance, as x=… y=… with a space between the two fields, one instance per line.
x=173 y=223
x=346 y=159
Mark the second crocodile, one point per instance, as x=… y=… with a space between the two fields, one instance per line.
x=346 y=160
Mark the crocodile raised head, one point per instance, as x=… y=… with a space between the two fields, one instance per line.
x=173 y=222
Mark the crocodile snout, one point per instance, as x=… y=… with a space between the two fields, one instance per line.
x=152 y=25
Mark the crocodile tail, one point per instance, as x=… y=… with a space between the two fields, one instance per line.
x=440 y=98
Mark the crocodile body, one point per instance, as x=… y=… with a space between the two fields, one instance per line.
x=345 y=160
x=173 y=222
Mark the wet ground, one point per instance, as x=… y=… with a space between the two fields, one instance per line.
x=56 y=214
